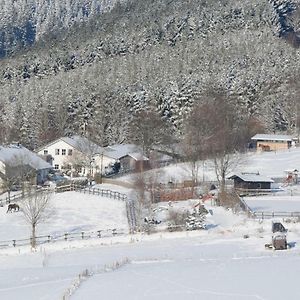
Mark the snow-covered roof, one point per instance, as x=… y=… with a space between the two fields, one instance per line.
x=120 y=150
x=251 y=177
x=138 y=156
x=83 y=144
x=272 y=137
x=16 y=154
x=80 y=143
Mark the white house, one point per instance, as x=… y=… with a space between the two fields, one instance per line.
x=17 y=161
x=72 y=153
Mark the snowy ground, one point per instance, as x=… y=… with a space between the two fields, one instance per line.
x=70 y=212
x=274 y=203
x=213 y=264
x=217 y=263
x=287 y=200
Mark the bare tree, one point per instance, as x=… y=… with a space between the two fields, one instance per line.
x=214 y=131
x=7 y=184
x=34 y=209
x=147 y=129
x=199 y=130
x=228 y=139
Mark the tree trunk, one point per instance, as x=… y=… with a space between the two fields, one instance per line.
x=33 y=236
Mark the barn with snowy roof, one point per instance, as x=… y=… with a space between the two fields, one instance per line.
x=251 y=181
x=272 y=142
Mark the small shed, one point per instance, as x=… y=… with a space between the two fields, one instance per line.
x=134 y=161
x=251 y=181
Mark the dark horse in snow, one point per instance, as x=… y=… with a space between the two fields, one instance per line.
x=13 y=207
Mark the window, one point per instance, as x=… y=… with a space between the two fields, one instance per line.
x=56 y=151
x=70 y=152
x=63 y=151
x=56 y=167
x=45 y=152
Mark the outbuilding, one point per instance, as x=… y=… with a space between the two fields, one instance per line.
x=251 y=181
x=272 y=142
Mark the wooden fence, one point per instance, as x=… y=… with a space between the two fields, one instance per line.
x=13 y=198
x=67 y=236
x=130 y=205
x=276 y=214
x=103 y=193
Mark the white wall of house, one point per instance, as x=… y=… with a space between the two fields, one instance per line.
x=62 y=153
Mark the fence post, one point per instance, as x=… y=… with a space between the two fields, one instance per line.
x=82 y=234
x=49 y=237
x=66 y=236
x=99 y=233
x=14 y=243
x=262 y=215
x=272 y=214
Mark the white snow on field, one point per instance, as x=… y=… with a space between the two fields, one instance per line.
x=274 y=203
x=213 y=264
x=272 y=164
x=203 y=273
x=204 y=264
x=70 y=212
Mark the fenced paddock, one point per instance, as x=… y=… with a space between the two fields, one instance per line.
x=81 y=235
x=267 y=207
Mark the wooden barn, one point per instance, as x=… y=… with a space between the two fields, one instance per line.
x=272 y=142
x=251 y=181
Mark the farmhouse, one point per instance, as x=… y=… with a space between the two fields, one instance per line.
x=72 y=153
x=251 y=181
x=17 y=164
x=272 y=142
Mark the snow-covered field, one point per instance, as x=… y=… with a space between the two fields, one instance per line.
x=217 y=263
x=274 y=203
x=70 y=212
x=214 y=264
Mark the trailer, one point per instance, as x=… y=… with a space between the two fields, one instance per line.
x=279 y=241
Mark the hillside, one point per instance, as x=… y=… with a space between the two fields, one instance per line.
x=96 y=72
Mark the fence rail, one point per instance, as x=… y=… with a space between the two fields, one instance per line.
x=13 y=198
x=104 y=193
x=277 y=214
x=67 y=236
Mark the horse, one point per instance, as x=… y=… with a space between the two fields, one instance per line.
x=13 y=207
